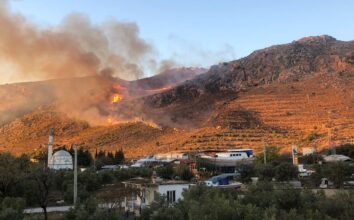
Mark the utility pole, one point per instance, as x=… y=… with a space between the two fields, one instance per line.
x=264 y=153
x=75 y=175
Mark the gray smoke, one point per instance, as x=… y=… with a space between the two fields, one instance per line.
x=76 y=47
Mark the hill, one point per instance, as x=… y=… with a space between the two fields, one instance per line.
x=293 y=93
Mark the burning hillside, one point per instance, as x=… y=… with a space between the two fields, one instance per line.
x=279 y=95
x=92 y=61
x=93 y=99
x=277 y=64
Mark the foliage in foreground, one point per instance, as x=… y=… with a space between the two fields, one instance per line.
x=89 y=210
x=260 y=202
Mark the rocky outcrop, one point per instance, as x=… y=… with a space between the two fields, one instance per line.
x=280 y=63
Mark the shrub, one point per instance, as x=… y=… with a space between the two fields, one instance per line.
x=165 y=172
x=285 y=172
x=184 y=172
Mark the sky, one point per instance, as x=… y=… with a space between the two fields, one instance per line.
x=201 y=32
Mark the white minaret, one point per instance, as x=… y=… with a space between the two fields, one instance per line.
x=50 y=147
x=295 y=155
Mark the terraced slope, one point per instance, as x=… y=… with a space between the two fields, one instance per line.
x=321 y=104
x=297 y=93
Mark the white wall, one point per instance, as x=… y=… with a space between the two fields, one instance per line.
x=162 y=189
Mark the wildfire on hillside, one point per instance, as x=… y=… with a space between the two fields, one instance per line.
x=119 y=87
x=117 y=98
x=158 y=90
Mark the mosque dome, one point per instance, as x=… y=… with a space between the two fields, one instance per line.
x=61 y=160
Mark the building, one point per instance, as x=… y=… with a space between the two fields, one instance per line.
x=224 y=180
x=145 y=192
x=225 y=160
x=109 y=167
x=61 y=160
x=172 y=155
x=308 y=150
x=336 y=158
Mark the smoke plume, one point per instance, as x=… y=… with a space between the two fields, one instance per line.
x=76 y=47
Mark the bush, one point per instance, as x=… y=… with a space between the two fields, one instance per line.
x=346 y=149
x=165 y=172
x=184 y=172
x=106 y=177
x=89 y=210
x=246 y=171
x=285 y=172
x=310 y=159
x=311 y=137
x=90 y=180
x=125 y=174
x=265 y=172
x=259 y=202
x=337 y=172
x=272 y=153
x=12 y=208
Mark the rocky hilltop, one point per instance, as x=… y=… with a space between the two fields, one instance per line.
x=280 y=63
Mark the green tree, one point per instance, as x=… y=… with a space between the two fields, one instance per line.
x=11 y=171
x=12 y=208
x=165 y=172
x=272 y=153
x=311 y=159
x=90 y=180
x=287 y=199
x=246 y=171
x=41 y=179
x=337 y=172
x=265 y=172
x=184 y=172
x=84 y=157
x=119 y=156
x=346 y=149
x=260 y=201
x=285 y=172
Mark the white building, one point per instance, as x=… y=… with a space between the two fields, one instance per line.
x=172 y=155
x=146 y=192
x=61 y=160
x=308 y=150
x=336 y=158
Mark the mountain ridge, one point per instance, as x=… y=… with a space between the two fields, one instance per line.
x=279 y=95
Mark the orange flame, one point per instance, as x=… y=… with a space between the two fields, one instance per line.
x=117 y=98
x=109 y=120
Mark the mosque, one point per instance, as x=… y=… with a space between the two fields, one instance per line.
x=60 y=160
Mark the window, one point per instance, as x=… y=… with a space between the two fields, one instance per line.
x=171 y=196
